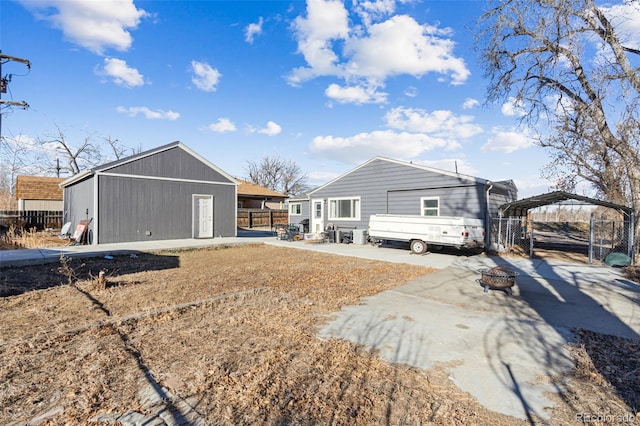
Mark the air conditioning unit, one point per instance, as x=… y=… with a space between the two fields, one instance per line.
x=360 y=236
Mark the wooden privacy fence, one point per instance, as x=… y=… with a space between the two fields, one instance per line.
x=261 y=218
x=27 y=219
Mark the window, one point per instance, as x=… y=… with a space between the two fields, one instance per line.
x=317 y=210
x=295 y=209
x=344 y=208
x=430 y=206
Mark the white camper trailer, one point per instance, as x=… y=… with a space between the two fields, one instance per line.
x=422 y=231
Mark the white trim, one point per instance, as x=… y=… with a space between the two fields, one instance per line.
x=295 y=204
x=357 y=213
x=209 y=182
x=146 y=154
x=96 y=204
x=193 y=214
x=422 y=208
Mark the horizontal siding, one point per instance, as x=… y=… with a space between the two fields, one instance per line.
x=173 y=163
x=388 y=187
x=41 y=204
x=131 y=207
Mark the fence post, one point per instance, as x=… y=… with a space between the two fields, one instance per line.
x=530 y=223
x=591 y=237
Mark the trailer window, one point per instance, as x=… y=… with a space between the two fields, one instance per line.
x=430 y=206
x=344 y=208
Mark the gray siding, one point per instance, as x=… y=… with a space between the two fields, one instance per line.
x=173 y=163
x=131 y=207
x=499 y=196
x=304 y=213
x=389 y=187
x=78 y=199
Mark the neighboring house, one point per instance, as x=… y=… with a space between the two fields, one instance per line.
x=39 y=193
x=169 y=192
x=383 y=185
x=253 y=196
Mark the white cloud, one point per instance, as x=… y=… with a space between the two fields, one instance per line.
x=355 y=94
x=439 y=123
x=148 y=113
x=450 y=164
x=513 y=108
x=326 y=21
x=376 y=9
x=205 y=77
x=365 y=55
x=94 y=25
x=223 y=125
x=508 y=141
x=272 y=129
x=361 y=147
x=470 y=103
x=401 y=45
x=411 y=92
x=121 y=73
x=253 y=30
x=625 y=18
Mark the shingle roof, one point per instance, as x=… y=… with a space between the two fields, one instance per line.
x=38 y=188
x=248 y=188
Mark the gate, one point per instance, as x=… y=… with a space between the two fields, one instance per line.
x=608 y=236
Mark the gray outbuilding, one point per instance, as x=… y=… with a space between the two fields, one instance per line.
x=169 y=192
x=385 y=186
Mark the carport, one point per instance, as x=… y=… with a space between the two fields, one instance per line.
x=515 y=228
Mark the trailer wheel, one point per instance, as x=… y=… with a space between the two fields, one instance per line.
x=418 y=246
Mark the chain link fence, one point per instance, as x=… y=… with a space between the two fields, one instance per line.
x=608 y=236
x=513 y=235
x=510 y=234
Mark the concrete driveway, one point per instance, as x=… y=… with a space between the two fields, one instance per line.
x=503 y=350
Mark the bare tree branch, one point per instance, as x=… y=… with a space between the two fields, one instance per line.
x=277 y=174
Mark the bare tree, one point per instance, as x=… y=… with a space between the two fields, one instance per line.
x=13 y=161
x=277 y=174
x=75 y=157
x=118 y=150
x=569 y=66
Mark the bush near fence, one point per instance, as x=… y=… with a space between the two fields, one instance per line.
x=27 y=219
x=261 y=218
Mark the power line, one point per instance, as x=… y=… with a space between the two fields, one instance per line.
x=4 y=82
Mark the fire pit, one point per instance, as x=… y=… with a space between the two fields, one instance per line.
x=498 y=278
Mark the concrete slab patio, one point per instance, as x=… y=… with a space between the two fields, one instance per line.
x=506 y=351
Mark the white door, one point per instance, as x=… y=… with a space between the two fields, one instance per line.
x=317 y=216
x=203 y=216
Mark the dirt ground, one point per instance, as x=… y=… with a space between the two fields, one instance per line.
x=229 y=333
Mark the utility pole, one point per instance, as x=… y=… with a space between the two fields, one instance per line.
x=4 y=81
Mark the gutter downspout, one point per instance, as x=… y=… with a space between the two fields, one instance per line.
x=487 y=234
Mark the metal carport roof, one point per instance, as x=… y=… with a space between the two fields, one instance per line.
x=522 y=207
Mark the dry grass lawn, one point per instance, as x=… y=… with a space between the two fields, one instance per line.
x=230 y=334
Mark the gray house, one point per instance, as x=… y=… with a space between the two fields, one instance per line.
x=385 y=186
x=169 y=192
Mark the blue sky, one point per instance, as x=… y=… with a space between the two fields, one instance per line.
x=327 y=84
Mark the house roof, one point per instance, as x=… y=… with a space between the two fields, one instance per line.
x=246 y=188
x=86 y=173
x=38 y=188
x=521 y=207
x=420 y=167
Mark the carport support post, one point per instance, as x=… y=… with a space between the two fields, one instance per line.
x=531 y=239
x=632 y=236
